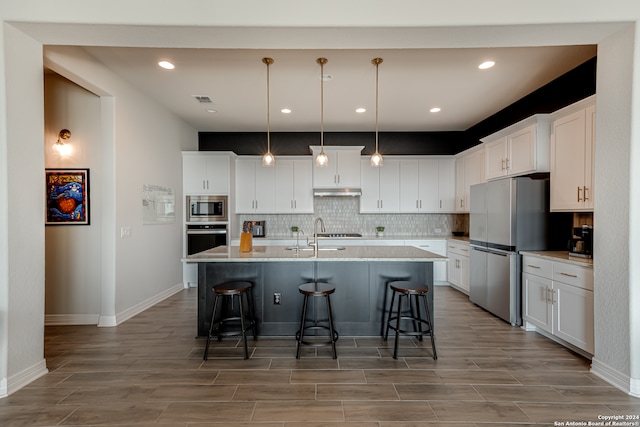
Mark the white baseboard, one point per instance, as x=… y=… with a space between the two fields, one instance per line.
x=21 y=379
x=114 y=320
x=617 y=379
x=71 y=319
x=142 y=306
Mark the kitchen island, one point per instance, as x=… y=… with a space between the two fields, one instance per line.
x=360 y=275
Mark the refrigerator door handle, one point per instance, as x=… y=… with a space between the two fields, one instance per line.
x=490 y=251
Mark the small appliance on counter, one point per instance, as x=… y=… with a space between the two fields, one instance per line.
x=581 y=244
x=257 y=228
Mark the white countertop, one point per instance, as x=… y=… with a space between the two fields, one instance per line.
x=560 y=256
x=387 y=236
x=349 y=253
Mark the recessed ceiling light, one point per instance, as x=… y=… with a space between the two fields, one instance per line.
x=361 y=110
x=435 y=110
x=486 y=64
x=166 y=65
x=285 y=111
x=210 y=110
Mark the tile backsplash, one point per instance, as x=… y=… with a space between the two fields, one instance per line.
x=341 y=215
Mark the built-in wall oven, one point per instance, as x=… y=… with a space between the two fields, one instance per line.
x=201 y=237
x=207 y=209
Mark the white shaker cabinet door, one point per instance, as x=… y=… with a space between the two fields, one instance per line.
x=573 y=315
x=522 y=151
x=537 y=305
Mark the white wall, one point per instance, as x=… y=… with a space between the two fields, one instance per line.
x=73 y=253
x=611 y=216
x=145 y=143
x=22 y=272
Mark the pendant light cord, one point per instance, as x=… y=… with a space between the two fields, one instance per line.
x=377 y=62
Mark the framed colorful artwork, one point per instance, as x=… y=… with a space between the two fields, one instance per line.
x=67 y=193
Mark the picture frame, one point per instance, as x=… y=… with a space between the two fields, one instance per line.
x=67 y=197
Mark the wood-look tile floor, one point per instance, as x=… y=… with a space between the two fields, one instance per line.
x=149 y=372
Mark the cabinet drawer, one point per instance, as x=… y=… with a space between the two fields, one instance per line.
x=460 y=248
x=537 y=266
x=573 y=275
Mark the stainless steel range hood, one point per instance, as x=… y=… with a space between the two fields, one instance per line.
x=337 y=192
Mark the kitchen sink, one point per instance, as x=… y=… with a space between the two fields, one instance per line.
x=321 y=248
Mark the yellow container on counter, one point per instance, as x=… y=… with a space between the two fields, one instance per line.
x=246 y=242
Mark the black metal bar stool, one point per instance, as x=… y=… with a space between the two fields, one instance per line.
x=408 y=289
x=316 y=289
x=225 y=324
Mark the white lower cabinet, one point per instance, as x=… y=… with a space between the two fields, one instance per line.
x=458 y=267
x=558 y=299
x=438 y=247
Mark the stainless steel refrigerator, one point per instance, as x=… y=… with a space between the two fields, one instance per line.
x=506 y=216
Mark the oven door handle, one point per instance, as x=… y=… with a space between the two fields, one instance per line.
x=206 y=231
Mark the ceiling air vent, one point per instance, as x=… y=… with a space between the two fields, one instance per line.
x=202 y=99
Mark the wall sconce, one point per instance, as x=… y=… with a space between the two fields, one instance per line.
x=60 y=147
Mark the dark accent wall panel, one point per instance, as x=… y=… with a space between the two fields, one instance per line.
x=573 y=86
x=297 y=143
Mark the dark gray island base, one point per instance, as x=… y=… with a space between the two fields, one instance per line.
x=358 y=304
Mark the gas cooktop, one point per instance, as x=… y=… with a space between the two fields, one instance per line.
x=338 y=235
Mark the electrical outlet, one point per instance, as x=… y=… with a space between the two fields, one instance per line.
x=437 y=230
x=277 y=298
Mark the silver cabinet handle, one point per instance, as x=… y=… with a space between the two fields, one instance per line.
x=440 y=204
x=569 y=275
x=502 y=162
x=553 y=296
x=508 y=164
x=532 y=266
x=546 y=294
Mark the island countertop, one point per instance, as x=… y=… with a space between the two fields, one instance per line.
x=346 y=253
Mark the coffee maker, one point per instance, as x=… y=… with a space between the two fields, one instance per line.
x=581 y=244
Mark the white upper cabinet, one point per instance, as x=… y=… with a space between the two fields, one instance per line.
x=205 y=172
x=520 y=149
x=446 y=185
x=255 y=186
x=380 y=186
x=427 y=185
x=469 y=170
x=293 y=185
x=343 y=169
x=572 y=148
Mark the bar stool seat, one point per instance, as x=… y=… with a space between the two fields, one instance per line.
x=316 y=289
x=422 y=326
x=225 y=324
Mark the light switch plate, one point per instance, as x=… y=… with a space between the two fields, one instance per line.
x=125 y=232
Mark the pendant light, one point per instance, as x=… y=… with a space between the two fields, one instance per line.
x=376 y=158
x=322 y=160
x=268 y=159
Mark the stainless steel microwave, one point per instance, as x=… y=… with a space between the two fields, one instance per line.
x=207 y=208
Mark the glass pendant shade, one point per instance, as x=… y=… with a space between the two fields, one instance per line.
x=322 y=160
x=376 y=159
x=268 y=159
